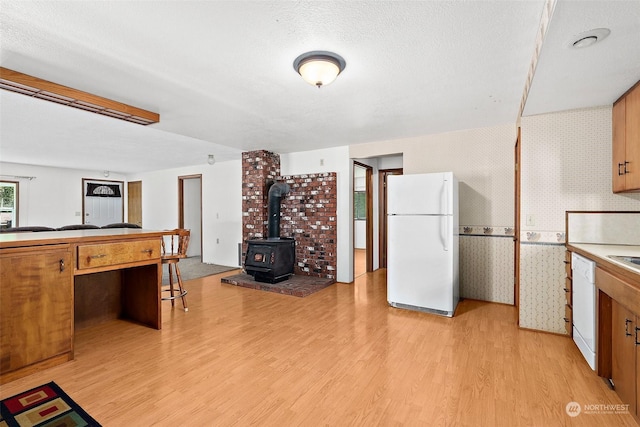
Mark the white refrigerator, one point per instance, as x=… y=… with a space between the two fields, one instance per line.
x=422 y=242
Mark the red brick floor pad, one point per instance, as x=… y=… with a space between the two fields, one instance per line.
x=296 y=285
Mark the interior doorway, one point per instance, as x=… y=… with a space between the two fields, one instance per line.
x=362 y=219
x=190 y=211
x=382 y=205
x=134 y=202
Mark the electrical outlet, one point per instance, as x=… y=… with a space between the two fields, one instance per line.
x=78 y=214
x=321 y=162
x=530 y=220
x=217 y=241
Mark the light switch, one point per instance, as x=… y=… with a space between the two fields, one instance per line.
x=530 y=220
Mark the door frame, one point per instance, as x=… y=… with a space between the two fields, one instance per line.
x=516 y=222
x=181 y=180
x=368 y=188
x=382 y=210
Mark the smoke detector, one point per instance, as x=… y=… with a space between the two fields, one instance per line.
x=588 y=38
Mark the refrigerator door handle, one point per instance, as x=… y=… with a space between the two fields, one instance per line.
x=446 y=233
x=445 y=211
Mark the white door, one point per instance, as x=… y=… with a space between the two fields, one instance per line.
x=103 y=202
x=420 y=264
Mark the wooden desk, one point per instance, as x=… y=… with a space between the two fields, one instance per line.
x=56 y=281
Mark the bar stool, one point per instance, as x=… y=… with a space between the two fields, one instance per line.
x=178 y=242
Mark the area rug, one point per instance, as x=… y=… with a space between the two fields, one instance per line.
x=46 y=405
x=296 y=285
x=193 y=268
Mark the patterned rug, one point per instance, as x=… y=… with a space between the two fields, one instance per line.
x=296 y=285
x=46 y=405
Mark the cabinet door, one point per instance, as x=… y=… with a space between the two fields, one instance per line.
x=632 y=139
x=619 y=155
x=36 y=298
x=623 y=354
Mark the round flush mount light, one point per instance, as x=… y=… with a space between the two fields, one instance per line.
x=588 y=38
x=211 y=159
x=319 y=67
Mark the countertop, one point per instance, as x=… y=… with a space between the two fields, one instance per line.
x=13 y=240
x=600 y=254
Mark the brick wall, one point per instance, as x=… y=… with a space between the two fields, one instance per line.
x=308 y=212
x=258 y=169
x=309 y=215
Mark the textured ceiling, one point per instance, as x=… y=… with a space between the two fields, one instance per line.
x=220 y=73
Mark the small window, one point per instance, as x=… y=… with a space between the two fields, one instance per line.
x=8 y=204
x=359 y=205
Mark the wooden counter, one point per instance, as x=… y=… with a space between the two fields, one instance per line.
x=56 y=281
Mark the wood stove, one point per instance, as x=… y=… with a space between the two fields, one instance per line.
x=271 y=259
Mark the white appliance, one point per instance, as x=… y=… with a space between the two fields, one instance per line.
x=422 y=242
x=584 y=307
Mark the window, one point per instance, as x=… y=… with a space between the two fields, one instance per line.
x=359 y=205
x=8 y=204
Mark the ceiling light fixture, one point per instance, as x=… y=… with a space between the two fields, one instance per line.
x=15 y=81
x=319 y=67
x=106 y=174
x=588 y=38
x=211 y=159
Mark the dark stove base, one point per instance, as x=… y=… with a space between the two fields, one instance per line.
x=268 y=277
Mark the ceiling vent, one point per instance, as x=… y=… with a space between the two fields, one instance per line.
x=42 y=89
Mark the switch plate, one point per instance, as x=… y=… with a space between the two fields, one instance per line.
x=530 y=220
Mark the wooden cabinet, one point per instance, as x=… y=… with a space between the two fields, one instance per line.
x=626 y=142
x=36 y=301
x=623 y=354
x=619 y=334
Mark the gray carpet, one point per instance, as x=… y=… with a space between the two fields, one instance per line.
x=193 y=268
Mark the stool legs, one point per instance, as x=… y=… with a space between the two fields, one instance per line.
x=174 y=293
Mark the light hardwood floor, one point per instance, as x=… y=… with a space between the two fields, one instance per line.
x=338 y=357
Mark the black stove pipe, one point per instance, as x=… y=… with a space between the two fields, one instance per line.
x=276 y=192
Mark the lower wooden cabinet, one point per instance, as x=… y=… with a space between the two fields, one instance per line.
x=624 y=357
x=36 y=306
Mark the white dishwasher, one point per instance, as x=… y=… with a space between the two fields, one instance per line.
x=584 y=307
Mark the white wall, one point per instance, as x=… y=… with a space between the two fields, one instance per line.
x=331 y=160
x=221 y=206
x=483 y=161
x=54 y=197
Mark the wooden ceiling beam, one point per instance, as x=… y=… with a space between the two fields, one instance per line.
x=15 y=81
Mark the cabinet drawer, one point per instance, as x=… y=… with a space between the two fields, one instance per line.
x=106 y=254
x=568 y=319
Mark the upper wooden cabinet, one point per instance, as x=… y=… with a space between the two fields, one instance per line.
x=626 y=141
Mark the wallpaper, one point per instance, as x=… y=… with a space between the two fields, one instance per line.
x=566 y=165
x=486 y=268
x=542 y=297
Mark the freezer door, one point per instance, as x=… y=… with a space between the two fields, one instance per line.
x=420 y=263
x=420 y=194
